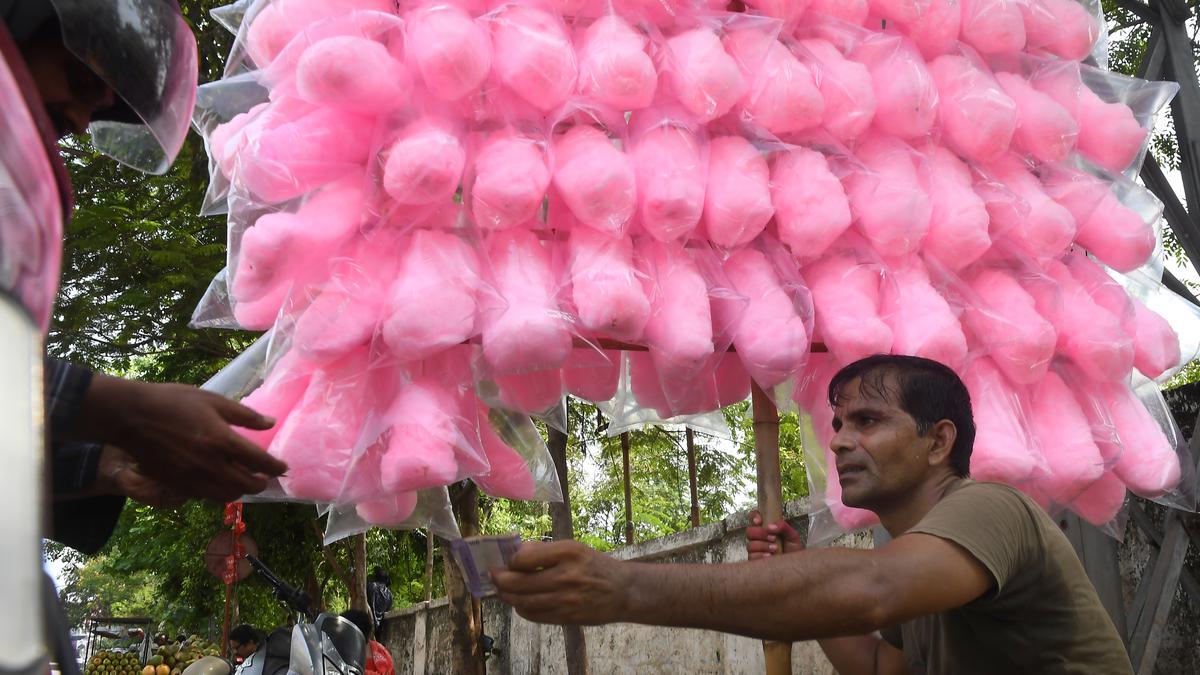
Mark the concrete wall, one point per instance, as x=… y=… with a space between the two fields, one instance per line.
x=419 y=637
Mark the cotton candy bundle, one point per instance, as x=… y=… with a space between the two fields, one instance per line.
x=1045 y=130
x=922 y=322
x=888 y=198
x=1088 y=335
x=993 y=26
x=425 y=165
x=1064 y=28
x=811 y=209
x=737 y=204
x=1022 y=212
x=958 y=221
x=679 y=331
x=935 y=29
x=1004 y=318
x=606 y=290
x=508 y=476
x=592 y=375
x=432 y=304
x=706 y=79
x=782 y=95
x=672 y=178
x=846 y=294
x=1114 y=233
x=1072 y=458
x=451 y=51
x=614 y=67
x=279 y=22
x=1147 y=462
x=788 y=10
x=905 y=94
x=522 y=329
x=850 y=11
x=511 y=178
x=595 y=179
x=420 y=451
x=352 y=72
x=534 y=392
x=770 y=338
x=533 y=56
x=846 y=87
x=978 y=119
x=1003 y=450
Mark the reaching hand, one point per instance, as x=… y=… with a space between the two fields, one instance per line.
x=180 y=436
x=773 y=539
x=563 y=582
x=119 y=474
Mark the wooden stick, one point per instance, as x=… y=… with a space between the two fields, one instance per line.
x=628 y=490
x=770 y=499
x=691 y=456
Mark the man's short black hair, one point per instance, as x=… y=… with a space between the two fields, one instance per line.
x=928 y=391
x=247 y=633
x=359 y=618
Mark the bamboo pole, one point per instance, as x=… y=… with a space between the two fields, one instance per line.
x=691 y=454
x=628 y=491
x=778 y=655
x=574 y=641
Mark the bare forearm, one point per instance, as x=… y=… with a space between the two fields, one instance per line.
x=801 y=596
x=863 y=655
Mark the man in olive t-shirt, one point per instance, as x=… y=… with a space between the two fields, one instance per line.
x=979 y=580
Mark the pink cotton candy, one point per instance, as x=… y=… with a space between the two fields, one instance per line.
x=607 y=292
x=301 y=155
x=1102 y=501
x=425 y=165
x=707 y=80
x=1005 y=320
x=770 y=336
x=1147 y=463
x=262 y=255
x=680 y=330
x=672 y=176
x=522 y=328
x=935 y=31
x=958 y=224
x=846 y=295
x=277 y=23
x=1088 y=335
x=226 y=139
x=592 y=375
x=993 y=26
x=1072 y=458
x=850 y=11
x=1156 y=345
x=510 y=182
x=978 y=119
x=431 y=306
x=277 y=396
x=888 y=198
x=731 y=380
x=811 y=209
x=1002 y=450
x=783 y=96
x=534 y=392
x=1045 y=130
x=533 y=56
x=846 y=89
x=905 y=94
x=1109 y=134
x=787 y=10
x=1117 y=235
x=1064 y=28
x=614 y=67
x=452 y=52
x=595 y=179
x=737 y=205
x=420 y=451
x=354 y=73
x=1023 y=212
x=338 y=320
x=509 y=476
x=922 y=322
x=389 y=510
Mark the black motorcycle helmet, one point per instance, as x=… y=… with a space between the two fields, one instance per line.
x=144 y=51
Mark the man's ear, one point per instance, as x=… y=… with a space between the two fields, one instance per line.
x=943 y=434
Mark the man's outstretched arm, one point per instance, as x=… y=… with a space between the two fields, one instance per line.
x=802 y=596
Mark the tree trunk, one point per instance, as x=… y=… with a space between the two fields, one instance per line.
x=358 y=572
x=466 y=615
x=560 y=518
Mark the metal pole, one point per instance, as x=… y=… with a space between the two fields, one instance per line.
x=770 y=499
x=628 y=492
x=691 y=452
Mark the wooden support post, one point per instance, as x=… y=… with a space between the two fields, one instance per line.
x=560 y=522
x=770 y=499
x=466 y=613
x=1148 y=630
x=1098 y=553
x=691 y=454
x=428 y=567
x=628 y=490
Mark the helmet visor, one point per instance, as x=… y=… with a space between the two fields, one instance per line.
x=146 y=52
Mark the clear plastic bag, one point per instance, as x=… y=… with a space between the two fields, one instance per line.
x=782 y=98
x=976 y=117
x=448 y=49
x=1005 y=449
x=959 y=222
x=1068 y=29
x=615 y=64
x=923 y=323
x=671 y=158
x=889 y=194
x=641 y=402
x=1022 y=214
x=222 y=109
x=429 y=509
x=905 y=94
x=593 y=176
x=845 y=290
x=811 y=208
x=533 y=56
x=520 y=464
x=847 y=90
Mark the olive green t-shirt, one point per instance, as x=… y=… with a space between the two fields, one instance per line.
x=1042 y=616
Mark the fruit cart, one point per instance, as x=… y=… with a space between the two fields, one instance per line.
x=130 y=635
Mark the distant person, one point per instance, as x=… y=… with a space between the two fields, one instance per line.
x=378 y=661
x=247 y=644
x=379 y=596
